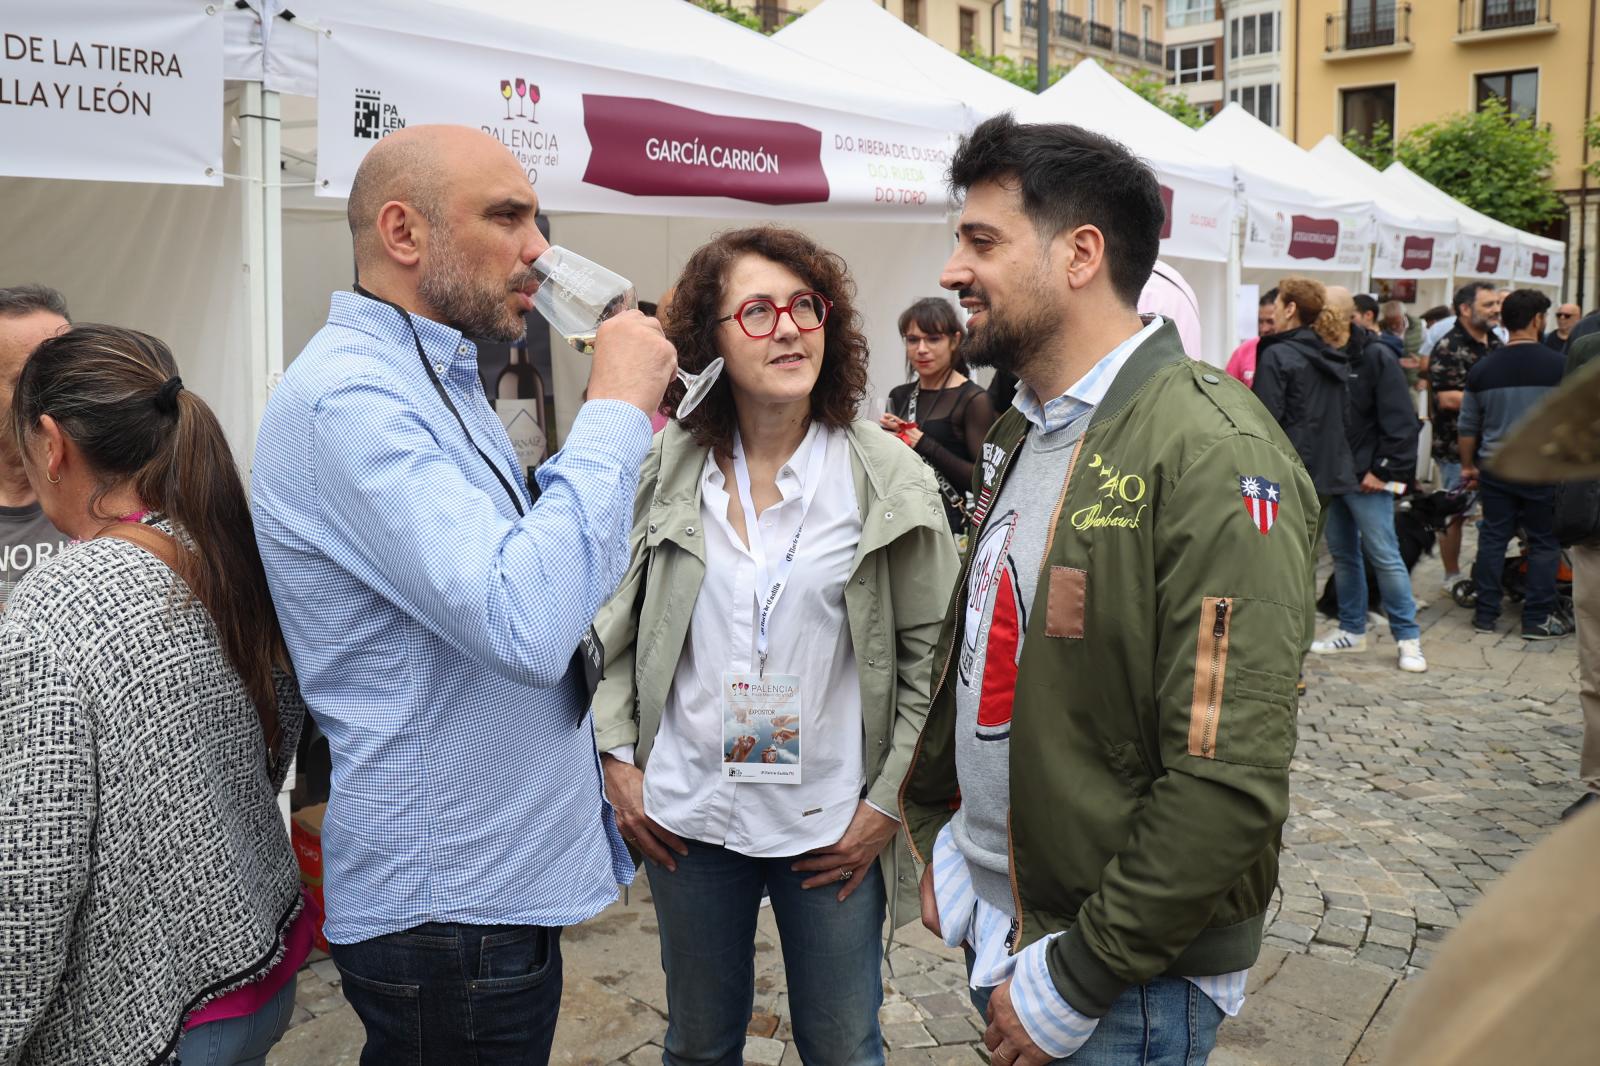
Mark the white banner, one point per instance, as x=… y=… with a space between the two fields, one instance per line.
x=1281 y=236
x=125 y=91
x=1199 y=219
x=601 y=140
x=1413 y=253
x=1539 y=266
x=1479 y=258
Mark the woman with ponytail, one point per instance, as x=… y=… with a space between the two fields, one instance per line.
x=150 y=906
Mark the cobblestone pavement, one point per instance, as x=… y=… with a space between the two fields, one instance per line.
x=1411 y=794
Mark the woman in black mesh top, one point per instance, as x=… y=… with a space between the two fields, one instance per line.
x=941 y=414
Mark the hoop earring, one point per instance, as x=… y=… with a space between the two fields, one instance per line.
x=52 y=480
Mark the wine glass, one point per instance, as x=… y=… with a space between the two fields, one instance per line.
x=505 y=91
x=533 y=102
x=576 y=295
x=522 y=90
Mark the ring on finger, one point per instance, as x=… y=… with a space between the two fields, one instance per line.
x=845 y=873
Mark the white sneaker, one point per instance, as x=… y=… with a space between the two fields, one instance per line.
x=1411 y=660
x=1340 y=641
x=1450 y=582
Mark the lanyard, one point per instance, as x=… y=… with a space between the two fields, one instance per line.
x=494 y=468
x=770 y=584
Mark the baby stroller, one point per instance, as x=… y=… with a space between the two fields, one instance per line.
x=1418 y=519
x=1514 y=580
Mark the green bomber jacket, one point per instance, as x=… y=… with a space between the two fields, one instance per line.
x=1154 y=711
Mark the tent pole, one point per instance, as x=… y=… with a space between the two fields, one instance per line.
x=260 y=156
x=1235 y=280
x=252 y=155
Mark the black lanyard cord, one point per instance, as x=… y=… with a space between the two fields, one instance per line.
x=494 y=467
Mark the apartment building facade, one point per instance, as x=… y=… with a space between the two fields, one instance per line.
x=1121 y=35
x=1228 y=51
x=1358 y=63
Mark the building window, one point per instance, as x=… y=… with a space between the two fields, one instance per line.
x=1122 y=14
x=1094 y=10
x=1252 y=35
x=969 y=30
x=1369 y=23
x=1517 y=89
x=912 y=12
x=1189 y=12
x=1190 y=63
x=1147 y=22
x=1363 y=109
x=1260 y=100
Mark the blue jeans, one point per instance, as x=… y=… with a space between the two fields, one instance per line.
x=1364 y=522
x=443 y=994
x=1506 y=508
x=706 y=912
x=1168 y=1022
x=239 y=1041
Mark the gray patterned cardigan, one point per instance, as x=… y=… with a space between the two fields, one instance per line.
x=144 y=868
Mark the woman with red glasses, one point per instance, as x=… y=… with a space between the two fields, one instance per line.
x=768 y=656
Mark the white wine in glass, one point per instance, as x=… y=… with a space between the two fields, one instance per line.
x=575 y=295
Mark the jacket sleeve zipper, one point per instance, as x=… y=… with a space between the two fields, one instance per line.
x=1218 y=631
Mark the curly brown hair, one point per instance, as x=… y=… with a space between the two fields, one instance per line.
x=696 y=306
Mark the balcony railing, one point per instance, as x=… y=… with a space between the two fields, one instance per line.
x=1154 y=53
x=1483 y=16
x=1128 y=43
x=1069 y=27
x=1030 y=15
x=1100 y=35
x=1383 y=27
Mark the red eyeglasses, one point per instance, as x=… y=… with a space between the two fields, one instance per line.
x=759 y=317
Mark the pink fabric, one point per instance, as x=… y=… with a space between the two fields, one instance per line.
x=1242 y=364
x=1168 y=295
x=243 y=1002
x=658 y=422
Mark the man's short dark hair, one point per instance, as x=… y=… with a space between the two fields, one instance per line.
x=1522 y=307
x=1268 y=297
x=1365 y=304
x=1435 y=314
x=22 y=300
x=1468 y=294
x=1069 y=176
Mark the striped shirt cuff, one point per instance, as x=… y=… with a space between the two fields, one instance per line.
x=1050 y=1020
x=953 y=891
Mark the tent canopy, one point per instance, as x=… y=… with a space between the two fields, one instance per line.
x=860 y=35
x=1299 y=217
x=1489 y=248
x=1414 y=240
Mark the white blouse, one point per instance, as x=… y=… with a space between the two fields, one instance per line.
x=684 y=787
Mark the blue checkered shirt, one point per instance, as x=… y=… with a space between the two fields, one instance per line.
x=432 y=629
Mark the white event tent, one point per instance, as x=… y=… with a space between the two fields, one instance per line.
x=863 y=37
x=1298 y=217
x=1487 y=250
x=1198 y=187
x=623 y=137
x=1413 y=240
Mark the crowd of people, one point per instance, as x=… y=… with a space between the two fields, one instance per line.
x=766 y=650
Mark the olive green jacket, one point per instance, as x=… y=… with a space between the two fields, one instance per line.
x=1154 y=712
x=895 y=600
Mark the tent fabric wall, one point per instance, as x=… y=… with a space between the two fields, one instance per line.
x=164 y=259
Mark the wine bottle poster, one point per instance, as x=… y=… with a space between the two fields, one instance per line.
x=518 y=379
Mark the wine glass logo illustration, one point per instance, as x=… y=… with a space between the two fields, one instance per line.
x=533 y=102
x=522 y=90
x=505 y=91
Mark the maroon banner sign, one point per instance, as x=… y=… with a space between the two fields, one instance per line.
x=1488 y=258
x=1541 y=265
x=1417 y=253
x=648 y=148
x=1166 y=205
x=1313 y=238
